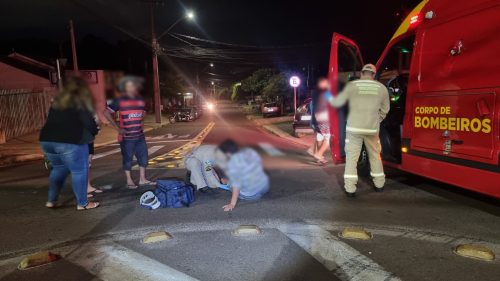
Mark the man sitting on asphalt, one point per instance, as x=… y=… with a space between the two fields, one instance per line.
x=246 y=177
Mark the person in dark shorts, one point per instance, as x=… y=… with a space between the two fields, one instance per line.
x=131 y=110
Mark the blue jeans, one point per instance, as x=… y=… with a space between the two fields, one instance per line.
x=257 y=196
x=67 y=158
x=131 y=147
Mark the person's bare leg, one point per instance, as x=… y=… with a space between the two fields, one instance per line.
x=321 y=150
x=130 y=182
x=142 y=176
x=90 y=188
x=313 y=149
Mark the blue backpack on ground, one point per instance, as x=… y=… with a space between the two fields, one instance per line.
x=172 y=193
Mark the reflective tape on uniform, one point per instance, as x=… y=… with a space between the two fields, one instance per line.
x=375 y=175
x=346 y=176
x=360 y=130
x=367 y=81
x=346 y=140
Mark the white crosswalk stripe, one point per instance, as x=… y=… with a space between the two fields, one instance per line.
x=270 y=149
x=107 y=153
x=168 y=136
x=113 y=262
x=154 y=149
x=340 y=258
x=151 y=150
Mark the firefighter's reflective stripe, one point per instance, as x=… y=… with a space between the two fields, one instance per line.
x=377 y=175
x=360 y=130
x=350 y=176
x=367 y=82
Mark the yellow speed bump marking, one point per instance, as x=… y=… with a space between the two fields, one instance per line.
x=356 y=233
x=475 y=251
x=157 y=236
x=247 y=229
x=38 y=259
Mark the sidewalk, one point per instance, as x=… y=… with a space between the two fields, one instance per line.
x=27 y=148
x=271 y=126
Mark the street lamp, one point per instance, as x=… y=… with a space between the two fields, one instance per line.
x=213 y=86
x=156 y=50
x=189 y=16
x=211 y=65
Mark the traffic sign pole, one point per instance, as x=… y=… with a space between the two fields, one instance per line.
x=295 y=83
x=295 y=100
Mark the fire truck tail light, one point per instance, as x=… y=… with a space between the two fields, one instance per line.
x=404 y=149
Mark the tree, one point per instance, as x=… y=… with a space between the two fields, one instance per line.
x=171 y=84
x=277 y=87
x=256 y=82
x=234 y=95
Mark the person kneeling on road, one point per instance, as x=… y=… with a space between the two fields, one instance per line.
x=246 y=177
x=202 y=167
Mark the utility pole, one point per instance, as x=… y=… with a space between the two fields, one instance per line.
x=156 y=78
x=73 y=46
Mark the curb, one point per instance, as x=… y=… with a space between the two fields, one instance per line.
x=282 y=134
x=268 y=121
x=19 y=159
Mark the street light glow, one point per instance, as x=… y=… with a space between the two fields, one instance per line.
x=211 y=65
x=213 y=83
x=190 y=15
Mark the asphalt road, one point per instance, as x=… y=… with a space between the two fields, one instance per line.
x=415 y=223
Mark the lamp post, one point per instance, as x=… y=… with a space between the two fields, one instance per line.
x=198 y=74
x=156 y=49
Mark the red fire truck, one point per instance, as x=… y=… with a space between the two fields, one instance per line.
x=442 y=69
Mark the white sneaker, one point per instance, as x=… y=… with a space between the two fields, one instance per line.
x=51 y=204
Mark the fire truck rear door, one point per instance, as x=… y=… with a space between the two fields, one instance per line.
x=454 y=109
x=345 y=65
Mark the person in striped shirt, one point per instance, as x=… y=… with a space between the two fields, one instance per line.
x=245 y=173
x=131 y=110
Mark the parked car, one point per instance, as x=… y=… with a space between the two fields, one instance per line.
x=186 y=114
x=302 y=119
x=198 y=112
x=270 y=109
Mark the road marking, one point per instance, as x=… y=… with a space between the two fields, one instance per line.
x=114 y=262
x=154 y=149
x=314 y=236
x=180 y=152
x=270 y=149
x=156 y=142
x=104 y=154
x=343 y=260
x=167 y=136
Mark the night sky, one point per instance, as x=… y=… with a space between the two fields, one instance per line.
x=302 y=28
